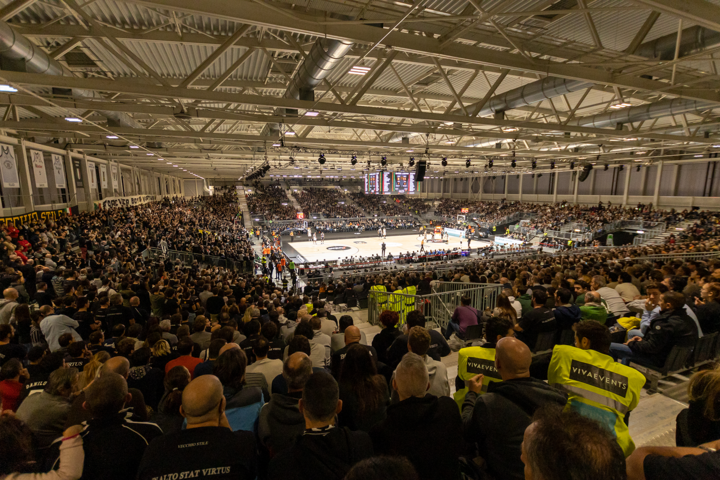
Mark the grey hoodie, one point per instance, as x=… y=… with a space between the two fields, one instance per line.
x=281 y=422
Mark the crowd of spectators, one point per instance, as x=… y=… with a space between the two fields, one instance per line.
x=271 y=202
x=380 y=204
x=118 y=366
x=329 y=202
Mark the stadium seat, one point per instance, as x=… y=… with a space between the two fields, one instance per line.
x=473 y=333
x=545 y=342
x=675 y=362
x=705 y=349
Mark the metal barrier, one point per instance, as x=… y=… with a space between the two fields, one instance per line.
x=438 y=306
x=679 y=256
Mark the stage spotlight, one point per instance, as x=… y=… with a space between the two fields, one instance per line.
x=383 y=160
x=534 y=164
x=353 y=160
x=490 y=163
x=513 y=164
x=606 y=167
x=321 y=159
x=467 y=163
x=572 y=165
x=411 y=163
x=444 y=162
x=552 y=164
x=621 y=168
x=638 y=168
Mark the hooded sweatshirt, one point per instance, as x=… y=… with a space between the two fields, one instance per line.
x=497 y=420
x=325 y=453
x=281 y=422
x=567 y=316
x=415 y=427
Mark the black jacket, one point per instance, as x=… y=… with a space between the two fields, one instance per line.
x=670 y=328
x=113 y=447
x=709 y=317
x=415 y=427
x=321 y=454
x=382 y=341
x=497 y=420
x=438 y=348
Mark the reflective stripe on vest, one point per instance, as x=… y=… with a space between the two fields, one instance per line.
x=410 y=303
x=598 y=388
x=472 y=361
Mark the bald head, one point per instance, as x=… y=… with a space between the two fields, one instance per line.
x=229 y=346
x=352 y=335
x=512 y=358
x=203 y=401
x=297 y=370
x=119 y=365
x=10 y=294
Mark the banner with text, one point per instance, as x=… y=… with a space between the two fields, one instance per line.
x=39 y=216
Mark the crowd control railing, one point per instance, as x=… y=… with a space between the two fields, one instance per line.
x=187 y=258
x=437 y=306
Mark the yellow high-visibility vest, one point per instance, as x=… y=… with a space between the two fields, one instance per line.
x=472 y=361
x=598 y=387
x=381 y=297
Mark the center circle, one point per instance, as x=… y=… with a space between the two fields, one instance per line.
x=338 y=247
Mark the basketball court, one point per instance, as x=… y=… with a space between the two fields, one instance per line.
x=339 y=248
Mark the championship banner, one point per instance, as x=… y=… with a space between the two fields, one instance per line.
x=91 y=174
x=8 y=167
x=114 y=176
x=38 y=164
x=103 y=176
x=59 y=169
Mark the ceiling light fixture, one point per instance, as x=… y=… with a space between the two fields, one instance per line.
x=73 y=119
x=7 y=88
x=359 y=70
x=134 y=146
x=444 y=162
x=111 y=137
x=311 y=113
x=321 y=159
x=509 y=129
x=620 y=105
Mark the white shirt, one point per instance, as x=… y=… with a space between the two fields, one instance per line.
x=53 y=326
x=614 y=301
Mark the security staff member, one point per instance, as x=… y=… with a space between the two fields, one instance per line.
x=598 y=386
x=397 y=302
x=409 y=302
x=264 y=264
x=494 y=229
x=381 y=295
x=474 y=360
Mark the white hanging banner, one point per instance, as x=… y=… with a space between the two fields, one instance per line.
x=103 y=176
x=114 y=176
x=91 y=174
x=59 y=170
x=8 y=167
x=38 y=165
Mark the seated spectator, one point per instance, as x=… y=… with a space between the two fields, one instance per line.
x=708 y=309
x=13 y=376
x=47 y=413
x=425 y=428
x=598 y=387
x=136 y=405
x=281 y=422
x=208 y=444
x=144 y=377
x=674 y=463
x=593 y=309
x=496 y=420
x=387 y=335
x=651 y=309
x=277 y=344
x=264 y=365
x=581 y=287
x=337 y=340
x=626 y=289
x=317 y=351
x=168 y=416
x=364 y=393
x=438 y=345
x=672 y=327
x=243 y=402
x=565 y=313
x=206 y=367
x=418 y=343
x=324 y=451
x=40 y=372
x=352 y=337
x=200 y=336
x=610 y=296
x=78 y=355
x=700 y=422
x=53 y=326
x=185 y=358
x=252 y=330
x=538 y=320
x=463 y=317
x=474 y=360
x=110 y=428
x=8 y=349
x=161 y=353
x=18 y=457
x=568 y=446
x=383 y=468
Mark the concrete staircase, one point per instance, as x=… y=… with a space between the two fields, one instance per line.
x=295 y=203
x=663 y=237
x=242 y=203
x=350 y=201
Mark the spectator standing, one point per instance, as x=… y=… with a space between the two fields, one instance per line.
x=53 y=326
x=538 y=320
x=364 y=393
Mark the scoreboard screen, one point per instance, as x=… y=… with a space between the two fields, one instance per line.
x=390 y=183
x=372 y=184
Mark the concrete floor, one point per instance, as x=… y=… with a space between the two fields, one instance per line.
x=651 y=423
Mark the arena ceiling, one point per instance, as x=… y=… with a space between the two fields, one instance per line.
x=213 y=88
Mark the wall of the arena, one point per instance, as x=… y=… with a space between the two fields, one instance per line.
x=38 y=178
x=195 y=188
x=672 y=185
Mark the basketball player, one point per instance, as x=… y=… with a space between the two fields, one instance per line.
x=322 y=238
